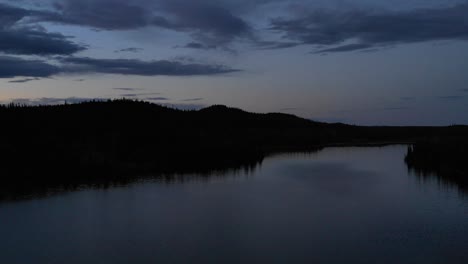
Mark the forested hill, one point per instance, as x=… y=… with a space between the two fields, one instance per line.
x=133 y=126
x=106 y=138
x=130 y=127
x=128 y=122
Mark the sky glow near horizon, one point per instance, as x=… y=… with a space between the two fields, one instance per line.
x=360 y=62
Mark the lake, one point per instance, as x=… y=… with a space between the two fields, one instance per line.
x=339 y=205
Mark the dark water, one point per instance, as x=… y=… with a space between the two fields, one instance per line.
x=341 y=205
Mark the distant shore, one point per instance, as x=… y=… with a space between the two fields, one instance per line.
x=445 y=159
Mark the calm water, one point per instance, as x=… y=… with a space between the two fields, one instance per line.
x=341 y=205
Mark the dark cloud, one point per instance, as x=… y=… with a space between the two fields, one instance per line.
x=132 y=49
x=197 y=45
x=138 y=67
x=127 y=89
x=157 y=98
x=207 y=21
x=35 y=42
x=368 y=28
x=192 y=99
x=24 y=80
x=9 y=15
x=26 y=40
x=210 y=23
x=275 y=44
x=101 y=14
x=16 y=67
x=144 y=94
x=140 y=94
x=216 y=24
x=345 y=48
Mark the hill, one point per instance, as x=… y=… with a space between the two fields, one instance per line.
x=100 y=141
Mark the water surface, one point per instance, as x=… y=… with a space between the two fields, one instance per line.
x=340 y=205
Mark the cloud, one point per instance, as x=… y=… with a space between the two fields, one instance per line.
x=265 y=45
x=192 y=99
x=142 y=68
x=208 y=22
x=197 y=45
x=24 y=80
x=11 y=67
x=216 y=24
x=19 y=38
x=367 y=28
x=127 y=89
x=211 y=24
x=9 y=15
x=26 y=41
x=100 y=14
x=157 y=98
x=132 y=49
x=139 y=94
x=344 y=48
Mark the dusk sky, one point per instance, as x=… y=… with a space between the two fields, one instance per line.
x=366 y=62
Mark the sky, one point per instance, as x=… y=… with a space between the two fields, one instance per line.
x=364 y=62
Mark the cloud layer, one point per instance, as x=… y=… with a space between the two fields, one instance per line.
x=369 y=29
x=11 y=67
x=34 y=42
x=138 y=67
x=25 y=39
x=208 y=22
x=214 y=24
x=210 y=25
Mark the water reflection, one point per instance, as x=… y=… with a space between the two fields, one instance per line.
x=353 y=205
x=445 y=181
x=202 y=174
x=236 y=167
x=429 y=169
